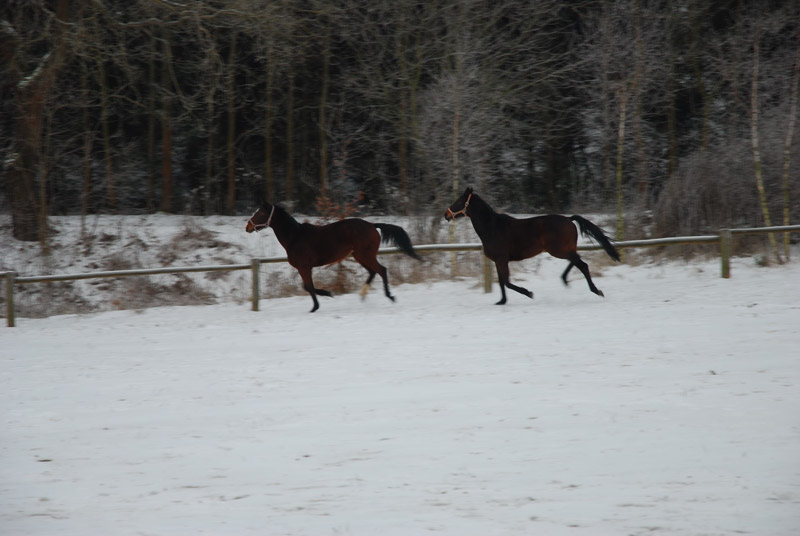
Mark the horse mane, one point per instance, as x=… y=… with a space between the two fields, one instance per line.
x=482 y=201
x=267 y=206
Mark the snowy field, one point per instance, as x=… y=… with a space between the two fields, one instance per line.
x=670 y=407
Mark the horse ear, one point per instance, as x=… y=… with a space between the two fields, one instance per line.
x=468 y=190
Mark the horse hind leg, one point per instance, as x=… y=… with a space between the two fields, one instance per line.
x=373 y=267
x=385 y=276
x=365 y=288
x=575 y=259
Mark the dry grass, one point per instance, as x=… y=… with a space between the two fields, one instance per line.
x=141 y=292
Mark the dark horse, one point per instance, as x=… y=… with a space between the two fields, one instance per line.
x=310 y=245
x=507 y=239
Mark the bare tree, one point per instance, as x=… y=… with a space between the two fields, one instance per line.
x=390 y=47
x=754 y=106
x=788 y=143
x=33 y=50
x=624 y=52
x=757 y=62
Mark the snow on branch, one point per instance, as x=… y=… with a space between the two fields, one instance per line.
x=37 y=73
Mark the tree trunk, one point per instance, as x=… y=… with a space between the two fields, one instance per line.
x=44 y=163
x=641 y=147
x=209 y=181
x=409 y=121
x=756 y=149
x=455 y=162
x=111 y=189
x=622 y=97
x=88 y=142
x=33 y=90
x=230 y=203
x=787 y=149
x=607 y=150
x=323 y=130
x=289 y=194
x=151 y=126
x=402 y=168
x=166 y=135
x=268 y=118
x=20 y=176
x=166 y=160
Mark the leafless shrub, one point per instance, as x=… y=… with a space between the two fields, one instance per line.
x=715 y=189
x=711 y=190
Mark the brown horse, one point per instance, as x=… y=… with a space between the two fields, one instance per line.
x=505 y=238
x=310 y=245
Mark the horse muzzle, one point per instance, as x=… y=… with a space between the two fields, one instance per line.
x=253 y=226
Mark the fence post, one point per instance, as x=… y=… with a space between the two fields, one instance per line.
x=487 y=275
x=10 y=320
x=725 y=251
x=254 y=266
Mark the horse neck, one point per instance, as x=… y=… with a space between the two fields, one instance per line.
x=481 y=215
x=285 y=226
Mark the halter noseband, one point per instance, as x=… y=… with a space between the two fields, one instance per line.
x=258 y=226
x=462 y=211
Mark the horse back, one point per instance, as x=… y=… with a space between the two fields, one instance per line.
x=333 y=242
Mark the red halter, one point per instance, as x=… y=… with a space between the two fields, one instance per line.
x=462 y=211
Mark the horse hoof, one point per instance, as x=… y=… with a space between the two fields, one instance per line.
x=501 y=302
x=600 y=293
x=530 y=294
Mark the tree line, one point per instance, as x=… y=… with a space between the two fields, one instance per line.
x=684 y=108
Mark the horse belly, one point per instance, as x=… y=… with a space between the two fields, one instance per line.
x=332 y=255
x=521 y=253
x=321 y=255
x=338 y=258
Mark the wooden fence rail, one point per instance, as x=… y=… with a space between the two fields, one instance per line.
x=723 y=239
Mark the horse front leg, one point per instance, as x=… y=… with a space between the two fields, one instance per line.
x=502 y=276
x=308 y=285
x=566 y=272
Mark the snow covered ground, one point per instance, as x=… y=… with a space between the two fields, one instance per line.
x=670 y=407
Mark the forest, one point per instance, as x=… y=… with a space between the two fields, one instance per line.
x=685 y=110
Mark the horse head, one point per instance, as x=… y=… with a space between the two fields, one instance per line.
x=261 y=219
x=459 y=208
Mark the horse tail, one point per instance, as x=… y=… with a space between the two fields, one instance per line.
x=397 y=235
x=595 y=232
